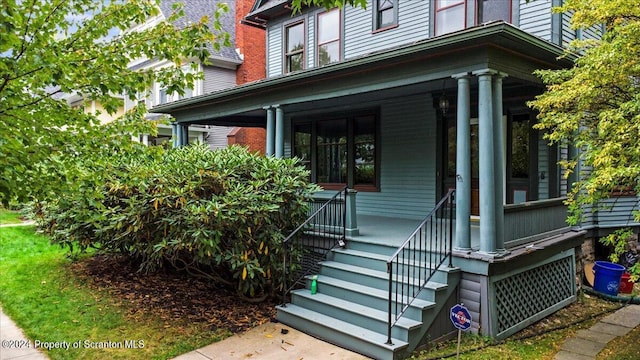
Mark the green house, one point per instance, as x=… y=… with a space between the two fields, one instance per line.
x=404 y=102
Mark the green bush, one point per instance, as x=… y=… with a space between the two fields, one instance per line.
x=221 y=214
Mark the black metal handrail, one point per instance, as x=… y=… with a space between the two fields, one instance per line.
x=418 y=258
x=323 y=230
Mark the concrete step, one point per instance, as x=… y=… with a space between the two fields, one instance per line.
x=377 y=279
x=371 y=297
x=341 y=333
x=354 y=313
x=378 y=262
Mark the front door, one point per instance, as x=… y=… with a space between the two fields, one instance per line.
x=520 y=165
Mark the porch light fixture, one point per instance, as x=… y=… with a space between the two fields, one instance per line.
x=443 y=103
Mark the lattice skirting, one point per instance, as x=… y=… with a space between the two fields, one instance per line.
x=529 y=294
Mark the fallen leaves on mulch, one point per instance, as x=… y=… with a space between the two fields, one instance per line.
x=172 y=297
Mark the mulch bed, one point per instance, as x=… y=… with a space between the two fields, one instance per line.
x=172 y=297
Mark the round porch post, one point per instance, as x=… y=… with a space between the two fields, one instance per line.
x=279 y=138
x=487 y=166
x=499 y=160
x=463 y=164
x=271 y=126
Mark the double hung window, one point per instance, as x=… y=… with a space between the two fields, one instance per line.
x=328 y=37
x=294 y=51
x=454 y=15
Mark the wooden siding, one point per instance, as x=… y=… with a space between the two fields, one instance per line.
x=216 y=78
x=543 y=167
x=535 y=18
x=217 y=136
x=408 y=161
x=274 y=44
x=568 y=34
x=614 y=212
x=471 y=288
x=359 y=38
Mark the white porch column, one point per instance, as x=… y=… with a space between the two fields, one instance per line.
x=279 y=138
x=463 y=164
x=487 y=166
x=270 y=133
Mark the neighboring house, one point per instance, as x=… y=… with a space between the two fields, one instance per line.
x=93 y=107
x=403 y=102
x=227 y=67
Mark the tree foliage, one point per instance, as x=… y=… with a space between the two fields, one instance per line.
x=49 y=48
x=595 y=105
x=298 y=4
x=219 y=214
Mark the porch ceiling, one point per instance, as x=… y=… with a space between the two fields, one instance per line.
x=406 y=70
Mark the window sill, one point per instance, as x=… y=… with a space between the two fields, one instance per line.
x=384 y=29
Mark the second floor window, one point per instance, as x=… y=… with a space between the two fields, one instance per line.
x=328 y=37
x=491 y=10
x=450 y=16
x=386 y=13
x=294 y=56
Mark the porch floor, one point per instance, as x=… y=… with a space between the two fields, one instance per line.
x=394 y=231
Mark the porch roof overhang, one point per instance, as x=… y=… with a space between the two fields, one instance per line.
x=412 y=67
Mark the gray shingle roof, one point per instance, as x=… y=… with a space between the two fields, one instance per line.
x=195 y=9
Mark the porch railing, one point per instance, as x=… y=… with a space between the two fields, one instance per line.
x=418 y=258
x=323 y=230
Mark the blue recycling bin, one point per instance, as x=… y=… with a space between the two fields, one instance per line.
x=607 y=277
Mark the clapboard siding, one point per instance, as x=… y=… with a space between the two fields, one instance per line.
x=413 y=20
x=535 y=18
x=407 y=164
x=470 y=295
x=543 y=167
x=216 y=78
x=217 y=136
x=274 y=48
x=568 y=35
x=617 y=211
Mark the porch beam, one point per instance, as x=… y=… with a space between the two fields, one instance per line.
x=279 y=138
x=499 y=159
x=463 y=164
x=270 y=134
x=487 y=165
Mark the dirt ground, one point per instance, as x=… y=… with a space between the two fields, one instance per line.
x=179 y=298
x=173 y=297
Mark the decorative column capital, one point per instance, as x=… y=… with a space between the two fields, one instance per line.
x=482 y=72
x=464 y=75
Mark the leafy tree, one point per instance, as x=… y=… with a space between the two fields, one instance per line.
x=48 y=48
x=595 y=105
x=298 y=4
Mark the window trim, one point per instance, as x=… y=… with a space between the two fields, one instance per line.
x=337 y=40
x=286 y=54
x=350 y=120
x=377 y=26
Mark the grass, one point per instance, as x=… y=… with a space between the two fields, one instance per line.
x=9 y=217
x=41 y=294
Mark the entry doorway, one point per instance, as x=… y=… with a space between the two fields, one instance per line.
x=520 y=161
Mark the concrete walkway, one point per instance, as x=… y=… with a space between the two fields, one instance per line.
x=14 y=344
x=587 y=343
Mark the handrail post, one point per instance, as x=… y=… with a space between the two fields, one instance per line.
x=351 y=220
x=450 y=205
x=389 y=322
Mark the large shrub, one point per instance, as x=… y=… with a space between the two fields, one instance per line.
x=221 y=214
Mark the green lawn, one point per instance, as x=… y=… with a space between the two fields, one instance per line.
x=9 y=217
x=41 y=294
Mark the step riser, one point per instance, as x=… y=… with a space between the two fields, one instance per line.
x=380 y=265
x=371 y=281
x=367 y=300
x=352 y=317
x=330 y=335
